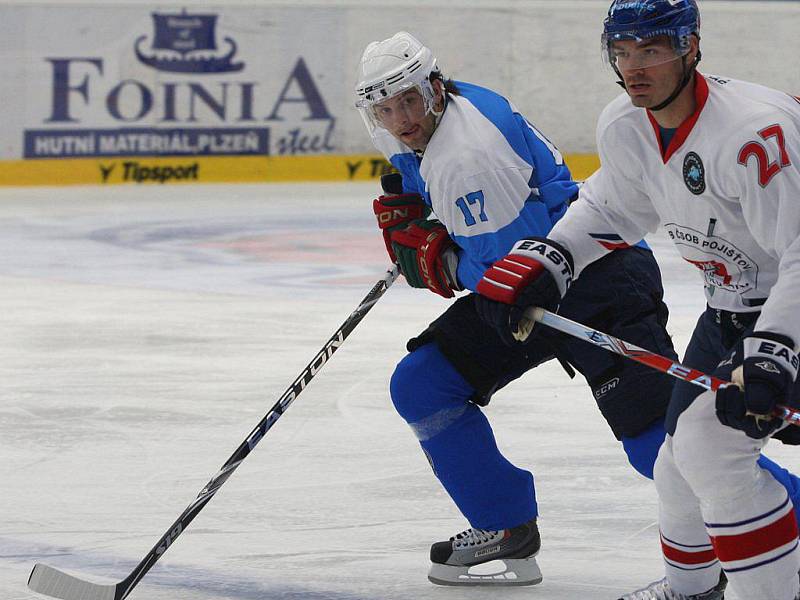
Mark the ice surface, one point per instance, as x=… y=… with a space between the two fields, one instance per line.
x=144 y=331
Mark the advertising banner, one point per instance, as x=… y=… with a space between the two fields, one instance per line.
x=146 y=93
x=115 y=94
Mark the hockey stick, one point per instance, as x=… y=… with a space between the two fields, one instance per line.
x=57 y=584
x=623 y=348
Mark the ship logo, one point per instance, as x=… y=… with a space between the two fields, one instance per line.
x=186 y=43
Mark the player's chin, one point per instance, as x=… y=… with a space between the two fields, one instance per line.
x=642 y=100
x=417 y=142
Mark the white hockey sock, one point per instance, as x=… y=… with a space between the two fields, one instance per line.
x=755 y=539
x=689 y=559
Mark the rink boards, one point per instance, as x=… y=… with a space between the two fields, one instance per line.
x=216 y=169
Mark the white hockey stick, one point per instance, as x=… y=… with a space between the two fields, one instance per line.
x=57 y=584
x=617 y=346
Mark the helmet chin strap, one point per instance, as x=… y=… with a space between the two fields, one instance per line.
x=687 y=76
x=437 y=116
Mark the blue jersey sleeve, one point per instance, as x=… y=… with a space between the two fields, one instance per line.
x=551 y=182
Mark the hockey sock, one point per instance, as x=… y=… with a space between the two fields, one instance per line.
x=788 y=480
x=432 y=397
x=642 y=449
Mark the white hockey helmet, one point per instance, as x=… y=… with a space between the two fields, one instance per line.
x=391 y=67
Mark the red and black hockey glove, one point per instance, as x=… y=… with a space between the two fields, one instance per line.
x=537 y=272
x=768 y=373
x=395 y=210
x=426 y=255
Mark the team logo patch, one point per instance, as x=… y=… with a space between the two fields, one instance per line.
x=694 y=173
x=724 y=265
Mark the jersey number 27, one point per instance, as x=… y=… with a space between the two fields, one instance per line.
x=766 y=169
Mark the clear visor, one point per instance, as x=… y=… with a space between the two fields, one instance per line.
x=626 y=52
x=408 y=103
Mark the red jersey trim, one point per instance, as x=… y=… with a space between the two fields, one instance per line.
x=612 y=246
x=700 y=96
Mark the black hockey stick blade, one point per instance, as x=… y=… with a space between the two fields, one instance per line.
x=55 y=583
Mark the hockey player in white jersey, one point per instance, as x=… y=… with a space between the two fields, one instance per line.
x=491 y=178
x=715 y=162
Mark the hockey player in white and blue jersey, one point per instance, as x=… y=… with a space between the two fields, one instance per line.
x=490 y=178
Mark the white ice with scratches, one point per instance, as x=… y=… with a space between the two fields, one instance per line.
x=144 y=331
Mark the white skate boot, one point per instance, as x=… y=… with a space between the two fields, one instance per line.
x=660 y=590
x=482 y=557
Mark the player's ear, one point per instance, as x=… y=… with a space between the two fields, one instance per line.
x=694 y=46
x=438 y=94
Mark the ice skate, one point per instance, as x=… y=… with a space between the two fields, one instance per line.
x=660 y=590
x=483 y=557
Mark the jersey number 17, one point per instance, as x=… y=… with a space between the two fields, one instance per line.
x=470 y=200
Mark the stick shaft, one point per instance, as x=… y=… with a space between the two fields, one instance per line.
x=646 y=357
x=51 y=581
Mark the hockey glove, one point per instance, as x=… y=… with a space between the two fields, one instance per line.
x=768 y=374
x=537 y=272
x=395 y=210
x=426 y=255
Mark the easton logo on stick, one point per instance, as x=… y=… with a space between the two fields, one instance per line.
x=173 y=535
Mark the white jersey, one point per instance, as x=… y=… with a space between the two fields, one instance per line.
x=727 y=190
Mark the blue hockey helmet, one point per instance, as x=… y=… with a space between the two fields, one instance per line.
x=641 y=20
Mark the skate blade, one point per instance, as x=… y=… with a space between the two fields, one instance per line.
x=516 y=571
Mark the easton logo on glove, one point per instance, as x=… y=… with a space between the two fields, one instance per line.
x=396 y=212
x=528 y=261
x=782 y=353
x=392 y=211
x=768 y=373
x=537 y=272
x=552 y=253
x=425 y=254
